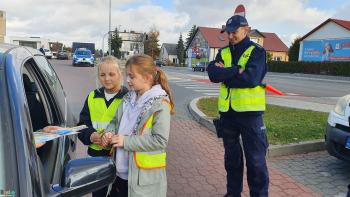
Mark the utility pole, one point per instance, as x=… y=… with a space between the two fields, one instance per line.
x=109 y=30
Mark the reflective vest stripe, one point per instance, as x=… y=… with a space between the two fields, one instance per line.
x=100 y=114
x=241 y=99
x=150 y=160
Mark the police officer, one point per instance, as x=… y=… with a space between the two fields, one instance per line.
x=240 y=67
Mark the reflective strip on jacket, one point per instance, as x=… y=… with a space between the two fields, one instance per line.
x=150 y=160
x=100 y=114
x=241 y=99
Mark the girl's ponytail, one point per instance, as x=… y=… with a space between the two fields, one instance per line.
x=163 y=81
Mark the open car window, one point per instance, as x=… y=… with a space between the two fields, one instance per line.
x=42 y=112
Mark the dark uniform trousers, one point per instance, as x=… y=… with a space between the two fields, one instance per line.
x=253 y=132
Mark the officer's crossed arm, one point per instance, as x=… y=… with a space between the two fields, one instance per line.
x=217 y=73
x=253 y=74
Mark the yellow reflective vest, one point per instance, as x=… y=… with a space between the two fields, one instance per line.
x=241 y=99
x=100 y=114
x=150 y=160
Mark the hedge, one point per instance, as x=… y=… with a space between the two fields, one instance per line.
x=323 y=68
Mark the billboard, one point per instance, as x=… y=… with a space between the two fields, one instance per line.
x=326 y=50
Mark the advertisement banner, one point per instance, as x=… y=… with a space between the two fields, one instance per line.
x=326 y=50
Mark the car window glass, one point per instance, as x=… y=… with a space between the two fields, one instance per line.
x=38 y=108
x=54 y=83
x=83 y=53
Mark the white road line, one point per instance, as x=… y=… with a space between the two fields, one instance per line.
x=212 y=94
x=208 y=91
x=201 y=87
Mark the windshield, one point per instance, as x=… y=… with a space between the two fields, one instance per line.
x=83 y=53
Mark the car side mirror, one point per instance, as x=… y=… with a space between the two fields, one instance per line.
x=83 y=176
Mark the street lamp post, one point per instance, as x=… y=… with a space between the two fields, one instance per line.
x=103 y=43
x=109 y=29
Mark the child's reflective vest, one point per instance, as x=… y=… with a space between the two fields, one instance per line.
x=150 y=160
x=100 y=114
x=241 y=99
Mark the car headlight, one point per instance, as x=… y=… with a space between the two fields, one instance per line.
x=341 y=105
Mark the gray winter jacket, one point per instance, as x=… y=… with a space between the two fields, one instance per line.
x=152 y=182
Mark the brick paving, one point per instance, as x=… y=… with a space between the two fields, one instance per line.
x=196 y=166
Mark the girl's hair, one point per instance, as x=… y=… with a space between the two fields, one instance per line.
x=144 y=64
x=112 y=61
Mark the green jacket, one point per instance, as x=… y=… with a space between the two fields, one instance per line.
x=152 y=183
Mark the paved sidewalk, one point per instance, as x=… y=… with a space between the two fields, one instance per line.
x=196 y=166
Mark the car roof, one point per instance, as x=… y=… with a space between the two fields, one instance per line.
x=5 y=48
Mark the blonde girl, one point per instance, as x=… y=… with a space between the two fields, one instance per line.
x=99 y=109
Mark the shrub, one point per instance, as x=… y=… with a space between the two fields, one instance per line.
x=323 y=68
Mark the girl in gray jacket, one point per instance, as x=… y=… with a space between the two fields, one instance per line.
x=141 y=131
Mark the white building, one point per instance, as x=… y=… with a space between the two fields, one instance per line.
x=168 y=53
x=34 y=42
x=132 y=43
x=330 y=41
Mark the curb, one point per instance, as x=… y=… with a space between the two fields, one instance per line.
x=274 y=150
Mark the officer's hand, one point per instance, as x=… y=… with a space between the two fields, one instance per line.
x=220 y=64
x=96 y=138
x=240 y=70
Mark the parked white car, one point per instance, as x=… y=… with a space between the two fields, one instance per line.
x=48 y=53
x=337 y=136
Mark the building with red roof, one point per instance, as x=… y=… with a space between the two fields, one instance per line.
x=207 y=41
x=329 y=41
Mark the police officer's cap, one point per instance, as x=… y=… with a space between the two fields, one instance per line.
x=234 y=23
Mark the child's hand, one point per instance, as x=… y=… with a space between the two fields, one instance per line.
x=49 y=129
x=96 y=138
x=106 y=138
x=117 y=140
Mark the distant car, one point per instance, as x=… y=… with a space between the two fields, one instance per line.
x=83 y=56
x=62 y=55
x=159 y=63
x=32 y=97
x=48 y=53
x=200 y=66
x=337 y=136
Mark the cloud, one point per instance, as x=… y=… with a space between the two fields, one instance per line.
x=87 y=20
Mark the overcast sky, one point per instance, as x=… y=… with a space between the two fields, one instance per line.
x=87 y=20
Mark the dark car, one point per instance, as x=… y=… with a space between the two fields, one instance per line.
x=159 y=63
x=62 y=55
x=31 y=98
x=200 y=66
x=337 y=136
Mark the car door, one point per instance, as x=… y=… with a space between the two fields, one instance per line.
x=45 y=110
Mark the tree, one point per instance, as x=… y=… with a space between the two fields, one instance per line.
x=293 y=51
x=116 y=44
x=181 y=50
x=190 y=35
x=151 y=43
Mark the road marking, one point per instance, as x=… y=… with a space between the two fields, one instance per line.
x=212 y=94
x=207 y=91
